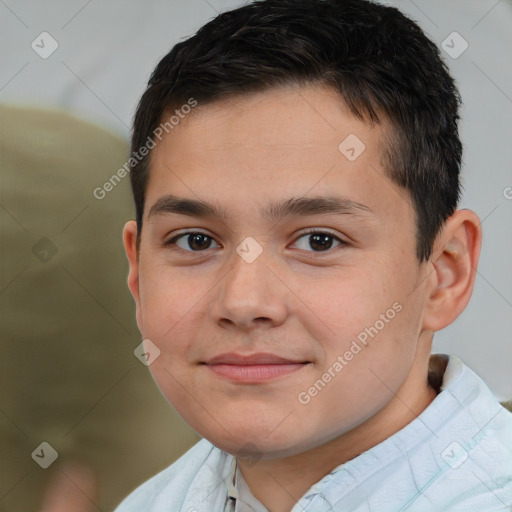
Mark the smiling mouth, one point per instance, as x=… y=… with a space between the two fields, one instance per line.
x=253 y=368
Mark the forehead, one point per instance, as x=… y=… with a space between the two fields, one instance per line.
x=270 y=146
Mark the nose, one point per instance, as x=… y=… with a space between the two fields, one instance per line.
x=250 y=295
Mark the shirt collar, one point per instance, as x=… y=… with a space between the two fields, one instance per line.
x=239 y=491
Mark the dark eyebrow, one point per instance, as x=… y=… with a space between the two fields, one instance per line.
x=299 y=206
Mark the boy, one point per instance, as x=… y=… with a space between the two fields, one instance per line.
x=297 y=242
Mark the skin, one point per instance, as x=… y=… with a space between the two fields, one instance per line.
x=293 y=300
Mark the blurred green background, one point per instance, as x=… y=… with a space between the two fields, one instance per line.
x=68 y=374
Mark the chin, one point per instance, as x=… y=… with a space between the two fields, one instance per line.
x=252 y=446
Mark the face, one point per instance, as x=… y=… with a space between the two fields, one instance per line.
x=336 y=313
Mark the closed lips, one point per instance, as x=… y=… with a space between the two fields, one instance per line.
x=253 y=359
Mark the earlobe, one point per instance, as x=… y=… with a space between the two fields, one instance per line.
x=130 y=245
x=454 y=263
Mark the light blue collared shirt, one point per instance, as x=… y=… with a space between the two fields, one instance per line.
x=456 y=456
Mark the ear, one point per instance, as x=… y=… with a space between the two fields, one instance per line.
x=130 y=246
x=453 y=266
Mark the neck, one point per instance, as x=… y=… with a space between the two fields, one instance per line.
x=278 y=484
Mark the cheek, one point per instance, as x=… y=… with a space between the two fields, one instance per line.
x=166 y=299
x=371 y=320
x=174 y=305
x=351 y=301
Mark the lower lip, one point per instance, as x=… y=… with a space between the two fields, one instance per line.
x=254 y=373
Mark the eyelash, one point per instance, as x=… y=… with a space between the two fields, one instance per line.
x=173 y=240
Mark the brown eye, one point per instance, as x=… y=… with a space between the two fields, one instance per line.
x=193 y=241
x=319 y=241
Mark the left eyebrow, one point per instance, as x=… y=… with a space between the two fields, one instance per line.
x=297 y=206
